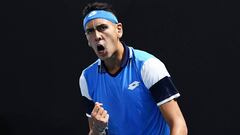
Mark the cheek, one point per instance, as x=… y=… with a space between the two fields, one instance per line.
x=113 y=36
x=89 y=41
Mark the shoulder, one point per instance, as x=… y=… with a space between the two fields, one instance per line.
x=142 y=55
x=145 y=59
x=91 y=68
x=151 y=68
x=85 y=80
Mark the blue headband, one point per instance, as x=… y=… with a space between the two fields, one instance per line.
x=99 y=14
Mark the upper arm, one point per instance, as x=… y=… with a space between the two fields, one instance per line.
x=173 y=115
x=157 y=79
x=171 y=111
x=87 y=100
x=83 y=86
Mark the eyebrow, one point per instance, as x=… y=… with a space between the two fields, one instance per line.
x=90 y=29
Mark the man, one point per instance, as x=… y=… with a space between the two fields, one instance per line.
x=131 y=90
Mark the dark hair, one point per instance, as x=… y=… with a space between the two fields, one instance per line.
x=97 y=6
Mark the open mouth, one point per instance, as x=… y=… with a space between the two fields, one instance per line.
x=100 y=47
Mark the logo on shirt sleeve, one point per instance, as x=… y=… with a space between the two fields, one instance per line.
x=133 y=85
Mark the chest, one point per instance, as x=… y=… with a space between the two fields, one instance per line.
x=125 y=88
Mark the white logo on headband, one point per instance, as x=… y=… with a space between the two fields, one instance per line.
x=92 y=13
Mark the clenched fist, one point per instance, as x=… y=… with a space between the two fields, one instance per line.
x=100 y=117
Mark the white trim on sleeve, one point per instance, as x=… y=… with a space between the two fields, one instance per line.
x=168 y=99
x=89 y=116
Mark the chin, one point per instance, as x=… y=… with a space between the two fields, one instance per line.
x=103 y=57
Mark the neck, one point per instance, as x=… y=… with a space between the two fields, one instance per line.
x=113 y=64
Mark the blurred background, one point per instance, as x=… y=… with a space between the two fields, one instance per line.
x=43 y=51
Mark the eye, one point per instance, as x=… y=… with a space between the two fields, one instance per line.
x=101 y=28
x=89 y=31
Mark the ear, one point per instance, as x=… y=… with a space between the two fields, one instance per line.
x=119 y=30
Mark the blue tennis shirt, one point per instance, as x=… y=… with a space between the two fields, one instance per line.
x=133 y=95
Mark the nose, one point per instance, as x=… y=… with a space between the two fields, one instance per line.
x=98 y=35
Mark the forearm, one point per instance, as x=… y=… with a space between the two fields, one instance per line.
x=179 y=132
x=173 y=115
x=178 y=129
x=95 y=132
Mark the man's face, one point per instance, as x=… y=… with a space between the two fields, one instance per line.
x=103 y=36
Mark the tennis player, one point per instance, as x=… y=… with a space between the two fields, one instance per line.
x=127 y=91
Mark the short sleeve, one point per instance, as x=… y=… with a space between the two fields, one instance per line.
x=87 y=100
x=157 y=79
